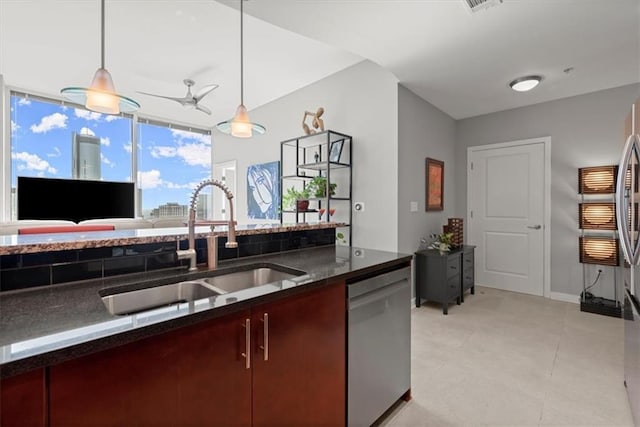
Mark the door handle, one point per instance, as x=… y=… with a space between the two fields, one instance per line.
x=535 y=227
x=247 y=343
x=265 y=347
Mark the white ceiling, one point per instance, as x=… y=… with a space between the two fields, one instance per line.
x=459 y=61
x=151 y=46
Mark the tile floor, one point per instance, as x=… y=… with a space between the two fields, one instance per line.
x=508 y=359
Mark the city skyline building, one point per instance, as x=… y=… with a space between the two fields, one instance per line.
x=85 y=156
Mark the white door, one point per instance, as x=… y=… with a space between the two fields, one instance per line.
x=506 y=216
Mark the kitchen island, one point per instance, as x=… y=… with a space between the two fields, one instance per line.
x=37 y=243
x=64 y=334
x=29 y=261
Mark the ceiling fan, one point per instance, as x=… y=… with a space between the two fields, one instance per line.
x=189 y=100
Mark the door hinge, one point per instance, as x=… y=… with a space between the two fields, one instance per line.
x=471 y=214
x=471 y=165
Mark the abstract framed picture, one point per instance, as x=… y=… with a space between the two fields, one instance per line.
x=434 y=181
x=336 y=151
x=263 y=191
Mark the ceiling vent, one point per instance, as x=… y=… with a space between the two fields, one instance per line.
x=476 y=5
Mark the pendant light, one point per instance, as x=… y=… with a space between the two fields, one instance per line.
x=240 y=126
x=101 y=96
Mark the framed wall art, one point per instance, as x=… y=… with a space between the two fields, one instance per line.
x=336 y=150
x=434 y=184
x=263 y=191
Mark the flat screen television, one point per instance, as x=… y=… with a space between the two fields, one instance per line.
x=73 y=199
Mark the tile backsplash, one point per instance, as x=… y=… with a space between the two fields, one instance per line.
x=23 y=271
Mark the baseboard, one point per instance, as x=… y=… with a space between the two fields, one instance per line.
x=559 y=296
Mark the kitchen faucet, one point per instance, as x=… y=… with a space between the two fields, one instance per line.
x=212 y=240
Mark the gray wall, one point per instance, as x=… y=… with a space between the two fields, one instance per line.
x=423 y=131
x=361 y=101
x=585 y=130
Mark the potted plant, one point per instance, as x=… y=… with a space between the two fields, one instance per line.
x=318 y=187
x=296 y=199
x=441 y=242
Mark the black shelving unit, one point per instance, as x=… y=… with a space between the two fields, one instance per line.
x=309 y=156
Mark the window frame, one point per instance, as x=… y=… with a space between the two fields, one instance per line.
x=157 y=121
x=7 y=91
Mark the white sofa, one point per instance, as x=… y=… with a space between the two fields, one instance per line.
x=168 y=222
x=12 y=227
x=119 y=223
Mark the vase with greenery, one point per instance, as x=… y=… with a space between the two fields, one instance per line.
x=317 y=187
x=297 y=200
x=441 y=242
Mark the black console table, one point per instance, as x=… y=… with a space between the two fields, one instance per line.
x=444 y=277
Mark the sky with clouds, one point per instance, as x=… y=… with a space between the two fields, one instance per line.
x=171 y=162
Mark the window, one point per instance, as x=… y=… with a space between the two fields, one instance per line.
x=57 y=140
x=172 y=161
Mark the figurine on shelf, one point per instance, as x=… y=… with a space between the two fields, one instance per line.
x=317 y=122
x=316 y=157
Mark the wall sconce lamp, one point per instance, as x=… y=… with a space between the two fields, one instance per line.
x=599 y=250
x=597 y=216
x=597 y=180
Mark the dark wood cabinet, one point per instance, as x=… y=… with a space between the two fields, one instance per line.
x=23 y=400
x=199 y=375
x=302 y=378
x=192 y=376
x=444 y=277
x=468 y=271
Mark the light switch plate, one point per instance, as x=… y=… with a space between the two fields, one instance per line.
x=413 y=206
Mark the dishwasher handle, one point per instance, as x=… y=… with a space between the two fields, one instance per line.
x=377 y=294
x=361 y=287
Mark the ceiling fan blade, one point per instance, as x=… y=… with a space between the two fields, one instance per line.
x=204 y=91
x=203 y=109
x=172 y=98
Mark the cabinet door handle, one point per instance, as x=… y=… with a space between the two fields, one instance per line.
x=265 y=347
x=535 y=227
x=247 y=338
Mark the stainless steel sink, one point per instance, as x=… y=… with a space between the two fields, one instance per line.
x=250 y=278
x=191 y=290
x=158 y=296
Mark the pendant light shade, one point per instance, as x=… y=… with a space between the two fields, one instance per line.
x=241 y=126
x=101 y=96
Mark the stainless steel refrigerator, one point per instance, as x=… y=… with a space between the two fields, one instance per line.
x=627 y=199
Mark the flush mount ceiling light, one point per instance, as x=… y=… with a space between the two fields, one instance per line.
x=240 y=126
x=524 y=84
x=101 y=96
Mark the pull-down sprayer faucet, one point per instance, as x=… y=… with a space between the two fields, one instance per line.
x=212 y=240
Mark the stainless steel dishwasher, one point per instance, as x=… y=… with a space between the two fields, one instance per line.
x=379 y=344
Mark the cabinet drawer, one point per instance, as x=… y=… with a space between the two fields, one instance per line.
x=453 y=266
x=453 y=287
x=467 y=278
x=467 y=260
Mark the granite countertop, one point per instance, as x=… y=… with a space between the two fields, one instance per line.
x=32 y=243
x=44 y=326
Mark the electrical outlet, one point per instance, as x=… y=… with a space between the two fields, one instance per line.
x=413 y=206
x=358 y=206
